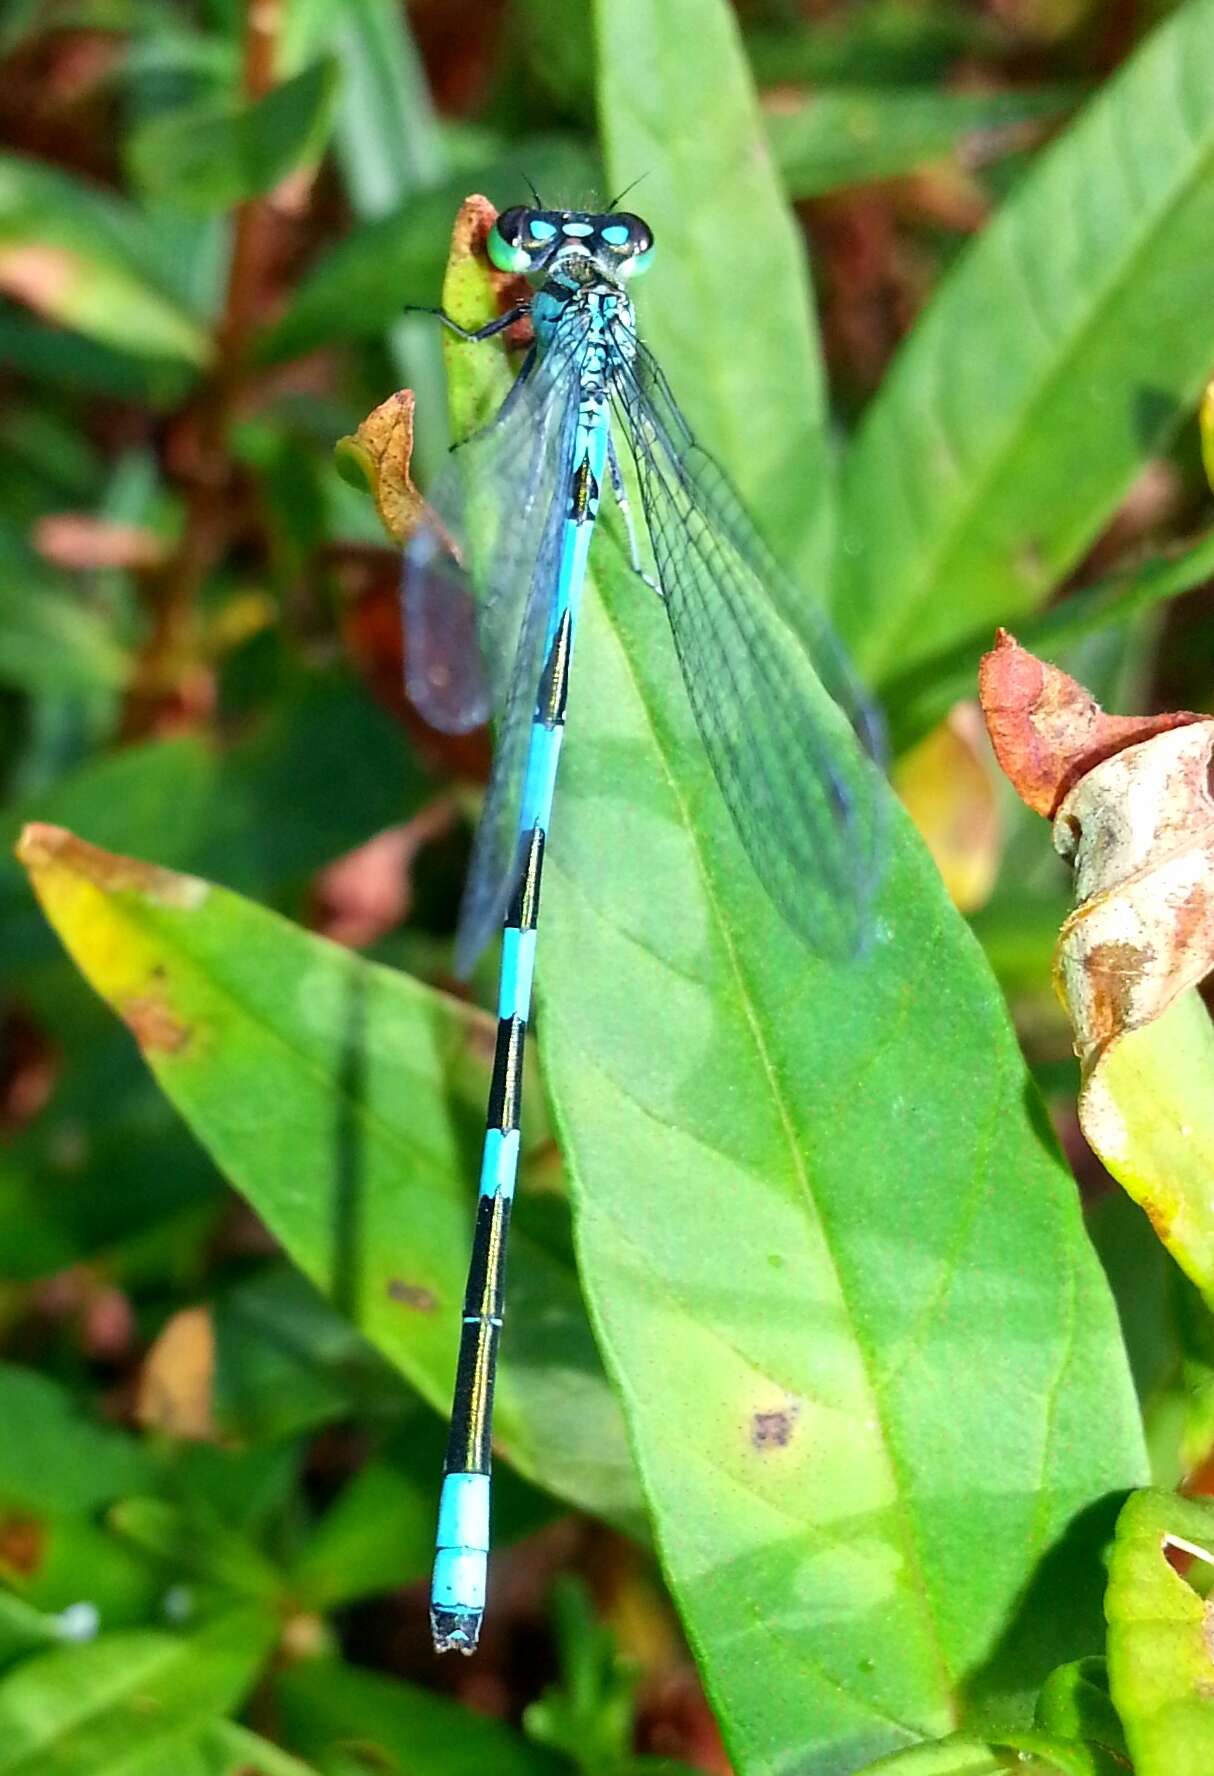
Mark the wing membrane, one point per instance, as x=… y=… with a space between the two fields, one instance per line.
x=788 y=732
x=479 y=577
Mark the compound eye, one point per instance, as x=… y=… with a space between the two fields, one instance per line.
x=636 y=242
x=505 y=240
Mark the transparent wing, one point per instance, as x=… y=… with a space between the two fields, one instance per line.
x=479 y=578
x=466 y=569
x=788 y=732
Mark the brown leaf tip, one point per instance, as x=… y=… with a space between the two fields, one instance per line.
x=42 y=848
x=1046 y=729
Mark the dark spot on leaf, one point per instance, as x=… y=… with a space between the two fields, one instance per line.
x=413 y=1295
x=156 y=1027
x=22 y=1543
x=773 y=1430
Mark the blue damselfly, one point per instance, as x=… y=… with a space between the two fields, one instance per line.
x=785 y=726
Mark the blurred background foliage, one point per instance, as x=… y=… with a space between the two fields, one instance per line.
x=212 y=219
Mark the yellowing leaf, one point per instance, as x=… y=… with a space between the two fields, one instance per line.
x=1133 y=813
x=947 y=788
x=1161 y=1636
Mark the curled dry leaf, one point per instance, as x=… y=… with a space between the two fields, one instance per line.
x=1133 y=811
x=378 y=456
x=1047 y=730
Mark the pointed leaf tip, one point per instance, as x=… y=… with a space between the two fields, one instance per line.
x=43 y=849
x=1047 y=730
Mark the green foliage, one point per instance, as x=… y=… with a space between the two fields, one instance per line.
x=1039 y=383
x=221 y=152
x=814 y=1373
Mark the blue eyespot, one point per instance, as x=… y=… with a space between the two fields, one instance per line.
x=616 y=235
x=541 y=230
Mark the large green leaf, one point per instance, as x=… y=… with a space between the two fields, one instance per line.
x=396 y=1726
x=1052 y=362
x=847 y=135
x=730 y=264
x=107 y=1708
x=835 y=1261
x=345 y=1101
x=872 y=1372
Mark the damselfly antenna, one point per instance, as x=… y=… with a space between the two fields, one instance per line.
x=539 y=202
x=623 y=194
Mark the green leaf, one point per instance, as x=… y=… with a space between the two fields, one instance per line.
x=821 y=1271
x=51 y=642
x=824 y=1270
x=24 y=1629
x=1160 y=1665
x=345 y=1101
x=849 y=135
x=388 y=148
x=60 y=360
x=891 y=41
x=228 y=1749
x=916 y=700
x=727 y=308
x=198 y=1544
x=394 y=1726
x=379 y=1534
x=1054 y=360
x=590 y=1714
x=82 y=257
x=58 y=1469
x=1146 y=1111
x=219 y=152
x=221 y=1749
x=105 y=1120
x=1020 y=1754
x=108 y=1708
x=285 y=1362
x=259 y=814
x=1075 y=1704
x=55 y=1458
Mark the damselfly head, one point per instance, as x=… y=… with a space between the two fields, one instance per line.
x=533 y=241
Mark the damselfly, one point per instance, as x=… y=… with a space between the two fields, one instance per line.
x=786 y=729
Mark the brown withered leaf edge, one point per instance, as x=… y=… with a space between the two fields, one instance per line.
x=1048 y=731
